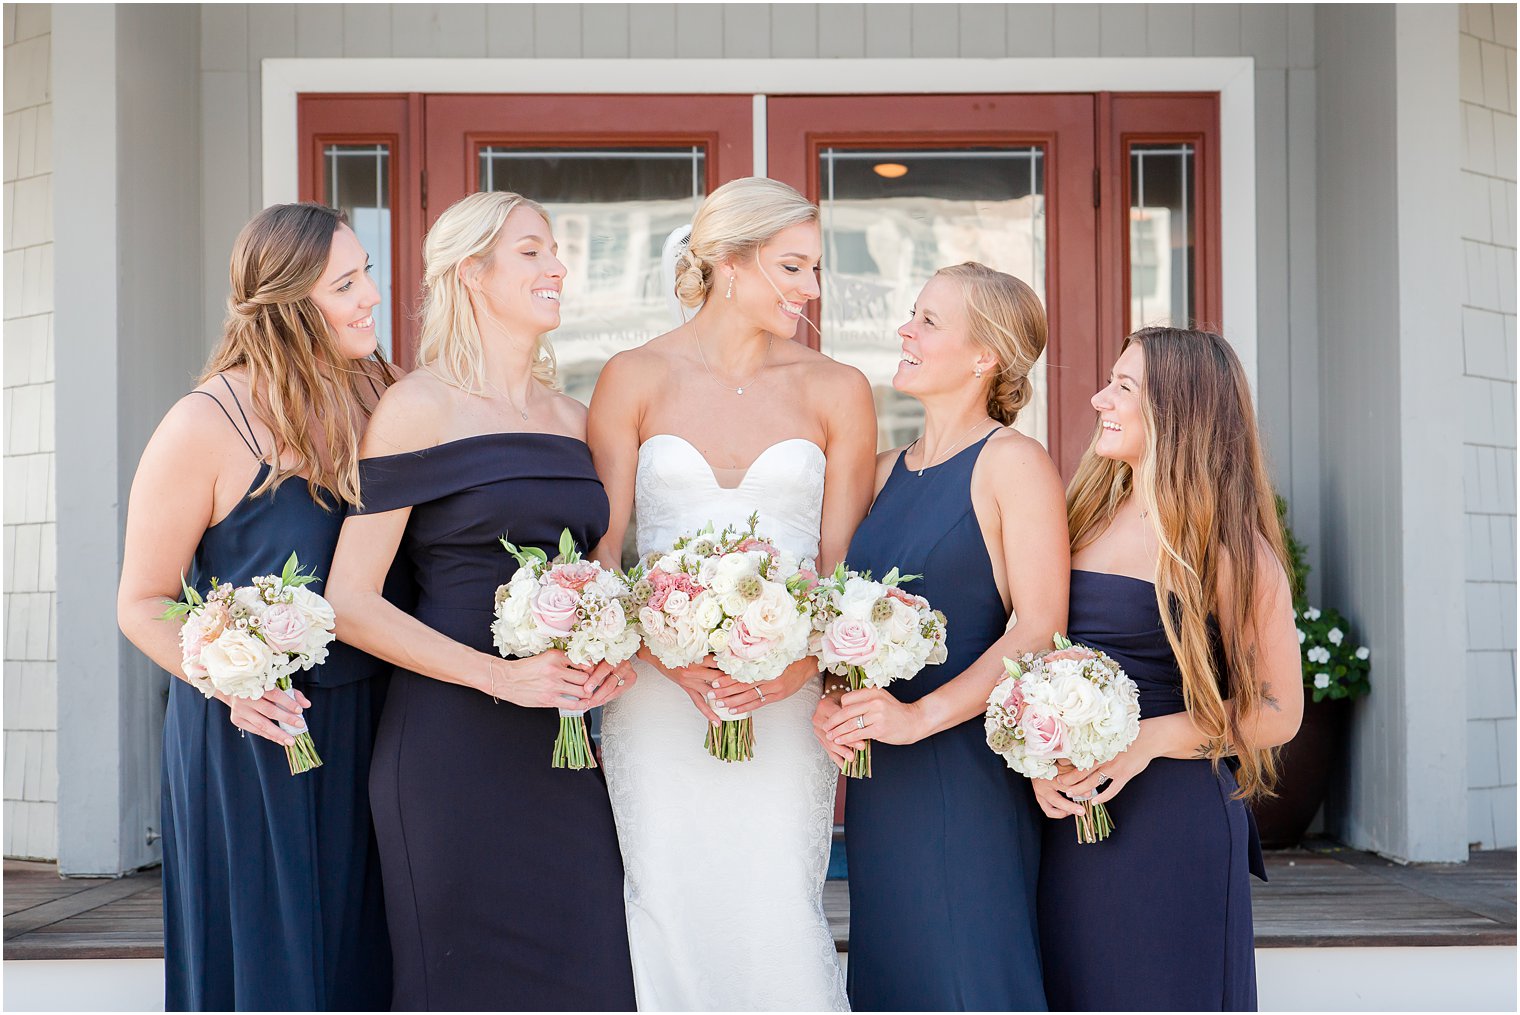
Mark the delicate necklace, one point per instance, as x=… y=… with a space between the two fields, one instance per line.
x=721 y=383
x=946 y=454
x=503 y=392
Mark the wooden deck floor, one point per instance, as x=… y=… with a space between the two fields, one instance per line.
x=1322 y=897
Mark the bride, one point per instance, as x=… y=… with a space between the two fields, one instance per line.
x=722 y=417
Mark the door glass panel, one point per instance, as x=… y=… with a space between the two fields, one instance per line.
x=359 y=183
x=1161 y=242
x=611 y=210
x=890 y=219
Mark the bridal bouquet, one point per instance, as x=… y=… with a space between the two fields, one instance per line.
x=248 y=639
x=733 y=595
x=573 y=605
x=1070 y=704
x=872 y=633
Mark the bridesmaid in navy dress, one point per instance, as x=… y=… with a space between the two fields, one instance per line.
x=1158 y=916
x=943 y=842
x=271 y=881
x=504 y=885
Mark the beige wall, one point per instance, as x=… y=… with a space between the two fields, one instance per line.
x=1487 y=61
x=31 y=673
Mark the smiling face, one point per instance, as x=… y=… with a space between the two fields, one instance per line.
x=347 y=296
x=1121 y=413
x=520 y=282
x=938 y=354
x=773 y=286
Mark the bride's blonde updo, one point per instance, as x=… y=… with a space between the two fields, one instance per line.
x=735 y=220
x=1007 y=319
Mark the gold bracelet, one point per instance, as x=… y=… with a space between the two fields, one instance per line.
x=491 y=669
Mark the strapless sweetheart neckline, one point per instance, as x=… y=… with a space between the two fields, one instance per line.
x=748 y=469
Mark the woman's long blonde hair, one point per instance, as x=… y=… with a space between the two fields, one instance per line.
x=297 y=375
x=450 y=347
x=1007 y=319
x=1203 y=481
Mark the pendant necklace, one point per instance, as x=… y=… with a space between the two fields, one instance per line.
x=503 y=392
x=929 y=465
x=721 y=383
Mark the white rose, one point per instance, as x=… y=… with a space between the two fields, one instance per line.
x=902 y=625
x=709 y=611
x=859 y=597
x=1322 y=680
x=611 y=622
x=1077 y=700
x=718 y=640
x=734 y=604
x=677 y=603
x=1335 y=636
x=319 y=614
x=653 y=620
x=772 y=615
x=1362 y=652
x=238 y=664
x=250 y=599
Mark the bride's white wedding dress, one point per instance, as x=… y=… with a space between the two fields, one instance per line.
x=725 y=863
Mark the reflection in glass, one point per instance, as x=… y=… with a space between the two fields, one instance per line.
x=1161 y=243
x=611 y=210
x=359 y=183
x=890 y=219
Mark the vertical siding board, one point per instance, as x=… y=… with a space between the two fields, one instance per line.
x=1122 y=29
x=1169 y=30
x=842 y=30
x=699 y=30
x=935 y=30
x=510 y=30
x=271 y=32
x=1078 y=30
x=889 y=30
x=229 y=180
x=556 y=30
x=1216 y=29
x=794 y=30
x=747 y=30
x=983 y=30
x=1031 y=29
x=651 y=30
x=319 y=30
x=1264 y=34
x=224 y=37
x=438 y=30
x=604 y=30
x=1301 y=36
x=366 y=30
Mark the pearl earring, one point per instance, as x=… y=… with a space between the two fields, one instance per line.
x=978 y=373
x=730 y=294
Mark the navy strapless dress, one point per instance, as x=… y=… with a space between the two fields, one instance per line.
x=943 y=842
x=1158 y=916
x=271 y=880
x=504 y=884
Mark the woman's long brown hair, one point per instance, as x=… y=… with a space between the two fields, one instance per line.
x=1203 y=482
x=296 y=373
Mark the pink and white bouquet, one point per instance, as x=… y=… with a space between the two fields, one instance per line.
x=248 y=639
x=872 y=633
x=574 y=605
x=733 y=595
x=1073 y=704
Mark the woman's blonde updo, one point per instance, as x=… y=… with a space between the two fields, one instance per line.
x=1007 y=319
x=450 y=346
x=732 y=223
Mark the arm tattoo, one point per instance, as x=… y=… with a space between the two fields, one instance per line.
x=1269 y=699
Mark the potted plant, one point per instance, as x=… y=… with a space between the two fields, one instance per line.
x=1335 y=671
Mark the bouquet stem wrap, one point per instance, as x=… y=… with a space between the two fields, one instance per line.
x=302 y=755
x=1094 y=825
x=859 y=767
x=572 y=748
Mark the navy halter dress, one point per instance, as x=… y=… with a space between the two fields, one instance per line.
x=943 y=842
x=271 y=880
x=1157 y=917
x=504 y=884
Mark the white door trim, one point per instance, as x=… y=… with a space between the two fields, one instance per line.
x=1232 y=77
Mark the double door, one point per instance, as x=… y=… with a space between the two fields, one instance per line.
x=1107 y=205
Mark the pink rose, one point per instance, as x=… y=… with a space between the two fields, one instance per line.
x=284 y=627
x=849 y=641
x=1076 y=652
x=745 y=645
x=574 y=576
x=659 y=595
x=1044 y=734
x=752 y=543
x=553 y=610
x=1013 y=704
x=907 y=598
x=809 y=577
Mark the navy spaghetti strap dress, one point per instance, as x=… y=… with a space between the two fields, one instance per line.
x=271 y=881
x=943 y=842
x=504 y=884
x=1158 y=916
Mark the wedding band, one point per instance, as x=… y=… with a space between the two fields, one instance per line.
x=761 y=693
x=1102 y=778
x=860 y=722
x=621 y=681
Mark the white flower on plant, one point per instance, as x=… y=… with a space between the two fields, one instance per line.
x=1312 y=613
x=1362 y=653
x=1302 y=637
x=1335 y=636
x=1318 y=654
x=1322 y=680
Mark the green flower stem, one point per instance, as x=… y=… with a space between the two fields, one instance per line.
x=732 y=740
x=572 y=748
x=1094 y=825
x=302 y=755
x=859 y=767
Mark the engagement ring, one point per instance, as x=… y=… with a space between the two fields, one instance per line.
x=860 y=722
x=762 y=695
